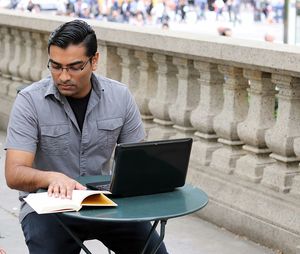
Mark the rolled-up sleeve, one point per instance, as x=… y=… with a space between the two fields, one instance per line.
x=133 y=129
x=22 y=131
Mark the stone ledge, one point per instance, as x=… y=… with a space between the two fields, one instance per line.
x=250 y=227
x=277 y=58
x=267 y=217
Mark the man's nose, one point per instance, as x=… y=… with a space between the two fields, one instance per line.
x=64 y=76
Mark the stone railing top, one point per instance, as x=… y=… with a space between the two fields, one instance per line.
x=264 y=56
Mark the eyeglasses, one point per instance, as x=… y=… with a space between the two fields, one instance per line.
x=72 y=69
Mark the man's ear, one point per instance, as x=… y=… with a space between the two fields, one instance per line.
x=95 y=60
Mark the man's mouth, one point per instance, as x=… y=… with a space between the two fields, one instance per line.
x=65 y=86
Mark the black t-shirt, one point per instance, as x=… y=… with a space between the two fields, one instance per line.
x=79 y=106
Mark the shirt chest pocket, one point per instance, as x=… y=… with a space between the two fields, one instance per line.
x=108 y=132
x=55 y=139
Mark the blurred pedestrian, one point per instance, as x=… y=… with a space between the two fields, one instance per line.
x=70 y=9
x=13 y=4
x=138 y=19
x=229 y=9
x=236 y=8
x=125 y=10
x=182 y=9
x=148 y=8
x=82 y=9
x=200 y=9
x=86 y=12
x=114 y=16
x=158 y=11
x=219 y=6
x=30 y=5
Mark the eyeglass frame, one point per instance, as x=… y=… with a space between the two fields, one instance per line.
x=61 y=69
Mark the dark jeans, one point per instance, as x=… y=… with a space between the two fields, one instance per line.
x=44 y=235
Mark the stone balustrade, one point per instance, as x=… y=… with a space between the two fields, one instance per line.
x=239 y=100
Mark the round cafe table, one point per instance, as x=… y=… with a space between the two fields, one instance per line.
x=157 y=208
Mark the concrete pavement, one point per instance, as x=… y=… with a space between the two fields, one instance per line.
x=185 y=235
x=247 y=29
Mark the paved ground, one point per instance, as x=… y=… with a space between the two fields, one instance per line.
x=247 y=29
x=187 y=235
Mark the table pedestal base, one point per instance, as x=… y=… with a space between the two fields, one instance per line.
x=151 y=233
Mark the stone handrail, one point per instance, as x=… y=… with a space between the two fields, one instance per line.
x=239 y=100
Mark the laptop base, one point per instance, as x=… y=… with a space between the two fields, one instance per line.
x=103 y=186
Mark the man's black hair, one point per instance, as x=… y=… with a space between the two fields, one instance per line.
x=74 y=33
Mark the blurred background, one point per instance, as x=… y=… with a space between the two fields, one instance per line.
x=269 y=20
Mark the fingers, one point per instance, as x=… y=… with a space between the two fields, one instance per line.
x=63 y=192
x=69 y=191
x=63 y=186
x=50 y=190
x=54 y=189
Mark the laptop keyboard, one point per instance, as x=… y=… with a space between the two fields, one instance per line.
x=104 y=187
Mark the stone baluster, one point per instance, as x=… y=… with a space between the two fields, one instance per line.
x=225 y=124
x=280 y=138
x=187 y=96
x=5 y=77
x=45 y=56
x=260 y=118
x=109 y=62
x=7 y=55
x=40 y=52
x=28 y=57
x=1 y=43
x=16 y=62
x=129 y=64
x=210 y=104
x=102 y=65
x=3 y=90
x=166 y=94
x=295 y=188
x=147 y=83
x=5 y=58
x=166 y=90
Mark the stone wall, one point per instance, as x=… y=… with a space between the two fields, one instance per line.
x=239 y=100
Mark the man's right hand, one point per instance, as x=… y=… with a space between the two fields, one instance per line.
x=62 y=186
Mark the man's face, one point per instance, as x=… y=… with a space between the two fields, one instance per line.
x=69 y=83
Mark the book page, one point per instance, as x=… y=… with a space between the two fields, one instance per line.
x=42 y=203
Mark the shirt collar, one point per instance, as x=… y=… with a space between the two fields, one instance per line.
x=96 y=85
x=52 y=89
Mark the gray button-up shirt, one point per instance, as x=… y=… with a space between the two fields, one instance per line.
x=42 y=122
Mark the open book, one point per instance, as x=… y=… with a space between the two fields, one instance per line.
x=42 y=203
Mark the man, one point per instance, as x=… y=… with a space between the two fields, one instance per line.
x=66 y=126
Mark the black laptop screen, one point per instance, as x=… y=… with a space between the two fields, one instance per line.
x=151 y=167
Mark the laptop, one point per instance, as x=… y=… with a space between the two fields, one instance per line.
x=148 y=167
